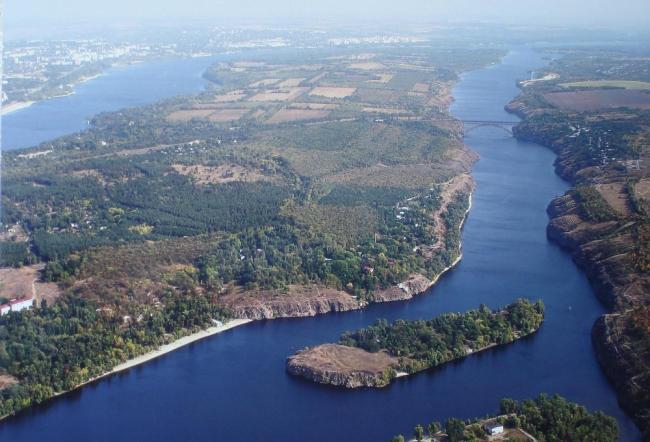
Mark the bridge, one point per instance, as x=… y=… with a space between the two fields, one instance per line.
x=470 y=125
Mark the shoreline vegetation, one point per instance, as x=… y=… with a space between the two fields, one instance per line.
x=155 y=354
x=19 y=105
x=375 y=355
x=546 y=418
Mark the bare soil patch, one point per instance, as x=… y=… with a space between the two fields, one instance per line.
x=582 y=101
x=367 y=66
x=290 y=82
x=280 y=95
x=189 y=114
x=264 y=82
x=25 y=282
x=7 y=381
x=224 y=173
x=333 y=92
x=384 y=110
x=225 y=115
x=383 y=78
x=287 y=115
x=316 y=106
x=616 y=196
x=344 y=360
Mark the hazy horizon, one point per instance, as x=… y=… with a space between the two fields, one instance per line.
x=47 y=16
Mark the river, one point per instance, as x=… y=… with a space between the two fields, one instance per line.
x=233 y=386
x=119 y=87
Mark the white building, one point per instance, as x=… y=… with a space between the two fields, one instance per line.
x=16 y=305
x=493 y=428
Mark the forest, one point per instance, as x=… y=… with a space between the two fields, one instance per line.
x=425 y=344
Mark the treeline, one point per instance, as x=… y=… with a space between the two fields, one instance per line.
x=15 y=254
x=424 y=344
x=51 y=349
x=548 y=419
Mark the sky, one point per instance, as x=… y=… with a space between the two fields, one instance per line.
x=579 y=13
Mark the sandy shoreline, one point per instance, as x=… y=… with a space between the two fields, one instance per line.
x=18 y=105
x=167 y=348
x=15 y=106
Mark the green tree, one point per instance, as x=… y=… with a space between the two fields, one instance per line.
x=455 y=429
x=419 y=432
x=508 y=406
x=398 y=438
x=433 y=428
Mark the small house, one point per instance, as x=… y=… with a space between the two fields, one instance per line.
x=493 y=428
x=16 y=305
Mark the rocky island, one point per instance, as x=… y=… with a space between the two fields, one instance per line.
x=374 y=356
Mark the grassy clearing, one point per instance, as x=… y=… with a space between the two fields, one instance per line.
x=625 y=84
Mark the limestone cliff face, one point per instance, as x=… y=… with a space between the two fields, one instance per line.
x=297 y=301
x=413 y=286
x=343 y=366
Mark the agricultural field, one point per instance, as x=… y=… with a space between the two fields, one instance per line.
x=603 y=99
x=618 y=84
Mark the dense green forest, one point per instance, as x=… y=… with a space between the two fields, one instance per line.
x=424 y=344
x=547 y=418
x=51 y=349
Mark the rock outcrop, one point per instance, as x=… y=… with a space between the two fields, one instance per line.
x=296 y=301
x=343 y=366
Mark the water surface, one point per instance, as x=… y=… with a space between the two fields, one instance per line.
x=233 y=386
x=119 y=87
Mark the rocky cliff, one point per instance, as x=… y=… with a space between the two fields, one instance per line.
x=342 y=366
x=296 y=301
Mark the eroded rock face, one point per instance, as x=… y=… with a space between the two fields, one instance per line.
x=296 y=301
x=413 y=286
x=343 y=366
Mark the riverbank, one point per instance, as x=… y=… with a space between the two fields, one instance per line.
x=602 y=222
x=15 y=106
x=172 y=346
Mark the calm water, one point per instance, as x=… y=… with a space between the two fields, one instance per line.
x=119 y=87
x=233 y=386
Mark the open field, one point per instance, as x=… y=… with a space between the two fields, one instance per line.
x=264 y=82
x=225 y=173
x=290 y=82
x=624 y=84
x=316 y=106
x=189 y=114
x=367 y=66
x=225 y=115
x=581 y=101
x=616 y=196
x=279 y=95
x=228 y=98
x=25 y=282
x=288 y=115
x=383 y=78
x=333 y=92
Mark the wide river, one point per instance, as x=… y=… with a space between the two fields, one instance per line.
x=233 y=386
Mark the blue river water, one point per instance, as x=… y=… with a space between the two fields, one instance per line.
x=119 y=87
x=233 y=386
